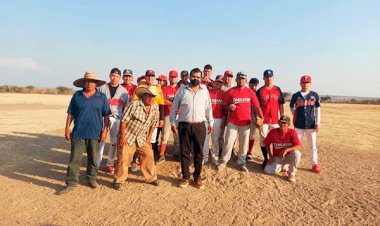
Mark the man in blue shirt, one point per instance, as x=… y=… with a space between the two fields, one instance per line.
x=89 y=109
x=305 y=107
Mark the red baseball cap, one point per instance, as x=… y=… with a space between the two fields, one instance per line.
x=228 y=72
x=173 y=73
x=162 y=77
x=306 y=79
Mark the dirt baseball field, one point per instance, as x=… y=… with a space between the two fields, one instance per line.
x=34 y=157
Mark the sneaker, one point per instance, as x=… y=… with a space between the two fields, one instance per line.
x=155 y=183
x=221 y=166
x=134 y=168
x=198 y=183
x=111 y=169
x=92 y=184
x=67 y=189
x=117 y=186
x=249 y=158
x=160 y=160
x=291 y=178
x=316 y=168
x=184 y=183
x=243 y=168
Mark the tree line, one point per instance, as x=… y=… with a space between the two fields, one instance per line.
x=68 y=91
x=32 y=89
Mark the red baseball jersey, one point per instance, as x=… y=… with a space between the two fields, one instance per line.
x=217 y=97
x=243 y=98
x=169 y=94
x=270 y=100
x=281 y=141
x=130 y=89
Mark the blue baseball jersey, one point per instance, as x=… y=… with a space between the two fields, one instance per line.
x=304 y=109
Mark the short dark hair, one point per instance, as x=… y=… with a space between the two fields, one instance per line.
x=207 y=66
x=254 y=81
x=195 y=70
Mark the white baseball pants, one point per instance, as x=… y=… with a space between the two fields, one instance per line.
x=231 y=133
x=311 y=137
x=113 y=128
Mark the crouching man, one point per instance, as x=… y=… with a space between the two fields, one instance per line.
x=284 y=151
x=136 y=128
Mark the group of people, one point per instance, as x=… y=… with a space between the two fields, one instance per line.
x=196 y=109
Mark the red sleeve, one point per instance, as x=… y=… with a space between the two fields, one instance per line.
x=227 y=99
x=164 y=93
x=268 y=140
x=254 y=100
x=295 y=139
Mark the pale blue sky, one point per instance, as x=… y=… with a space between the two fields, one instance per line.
x=52 y=43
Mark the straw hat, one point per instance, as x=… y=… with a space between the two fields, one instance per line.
x=88 y=76
x=146 y=89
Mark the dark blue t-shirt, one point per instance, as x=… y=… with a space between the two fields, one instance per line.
x=88 y=114
x=304 y=114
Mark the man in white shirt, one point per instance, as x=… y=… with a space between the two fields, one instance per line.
x=194 y=105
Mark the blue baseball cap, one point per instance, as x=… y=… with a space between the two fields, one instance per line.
x=268 y=73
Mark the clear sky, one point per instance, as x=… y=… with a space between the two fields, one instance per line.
x=52 y=43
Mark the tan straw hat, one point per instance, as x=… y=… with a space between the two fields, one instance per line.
x=146 y=89
x=88 y=76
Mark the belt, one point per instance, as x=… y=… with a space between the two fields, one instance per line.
x=193 y=123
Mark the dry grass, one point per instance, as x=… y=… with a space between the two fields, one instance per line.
x=34 y=158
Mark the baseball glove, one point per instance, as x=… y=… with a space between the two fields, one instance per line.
x=259 y=122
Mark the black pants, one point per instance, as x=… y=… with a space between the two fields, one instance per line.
x=191 y=136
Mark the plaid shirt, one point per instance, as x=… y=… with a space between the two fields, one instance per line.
x=139 y=121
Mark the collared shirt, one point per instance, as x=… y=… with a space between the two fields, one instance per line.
x=193 y=107
x=139 y=121
x=88 y=114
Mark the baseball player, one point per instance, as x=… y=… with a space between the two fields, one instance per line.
x=272 y=103
x=217 y=97
x=117 y=98
x=237 y=102
x=169 y=93
x=253 y=83
x=305 y=107
x=285 y=149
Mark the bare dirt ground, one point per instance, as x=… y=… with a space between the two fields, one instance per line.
x=34 y=157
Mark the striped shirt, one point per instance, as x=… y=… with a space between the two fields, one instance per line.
x=139 y=121
x=193 y=107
